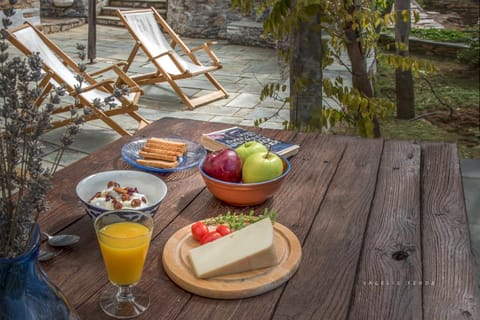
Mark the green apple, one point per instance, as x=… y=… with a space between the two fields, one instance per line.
x=248 y=148
x=262 y=166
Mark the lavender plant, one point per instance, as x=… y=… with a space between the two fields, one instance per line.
x=24 y=181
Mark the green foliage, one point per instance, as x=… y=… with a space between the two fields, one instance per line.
x=271 y=90
x=421 y=3
x=355 y=109
x=237 y=221
x=457 y=88
x=383 y=4
x=416 y=65
x=454 y=85
x=470 y=37
x=442 y=35
x=471 y=55
x=363 y=22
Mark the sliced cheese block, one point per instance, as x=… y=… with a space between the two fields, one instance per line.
x=246 y=249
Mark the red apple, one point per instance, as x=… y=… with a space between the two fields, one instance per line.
x=224 y=164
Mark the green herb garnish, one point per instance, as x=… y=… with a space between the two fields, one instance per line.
x=237 y=221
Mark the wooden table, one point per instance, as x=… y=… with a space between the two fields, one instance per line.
x=382 y=224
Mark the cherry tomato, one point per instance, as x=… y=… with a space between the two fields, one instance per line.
x=223 y=230
x=210 y=236
x=199 y=229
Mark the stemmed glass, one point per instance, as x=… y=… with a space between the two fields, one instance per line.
x=124 y=237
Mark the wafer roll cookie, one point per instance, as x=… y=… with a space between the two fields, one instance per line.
x=157 y=163
x=158 y=156
x=160 y=151
x=165 y=144
x=177 y=150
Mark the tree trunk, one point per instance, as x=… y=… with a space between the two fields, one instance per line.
x=403 y=78
x=358 y=59
x=306 y=77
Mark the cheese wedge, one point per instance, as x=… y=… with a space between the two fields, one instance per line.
x=250 y=248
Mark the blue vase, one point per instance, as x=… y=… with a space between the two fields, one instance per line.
x=26 y=292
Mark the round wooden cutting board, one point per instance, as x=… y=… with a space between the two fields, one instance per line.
x=234 y=286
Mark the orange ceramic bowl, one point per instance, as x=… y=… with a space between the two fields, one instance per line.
x=244 y=194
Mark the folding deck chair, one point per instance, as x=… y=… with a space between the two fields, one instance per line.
x=144 y=26
x=61 y=70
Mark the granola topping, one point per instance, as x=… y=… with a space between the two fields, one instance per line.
x=117 y=197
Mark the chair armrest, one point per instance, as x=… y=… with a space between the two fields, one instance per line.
x=98 y=72
x=206 y=47
x=162 y=54
x=94 y=86
x=174 y=60
x=122 y=78
x=132 y=85
x=203 y=45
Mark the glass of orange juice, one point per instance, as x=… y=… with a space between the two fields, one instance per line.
x=124 y=237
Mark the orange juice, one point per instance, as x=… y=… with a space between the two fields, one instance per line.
x=124 y=247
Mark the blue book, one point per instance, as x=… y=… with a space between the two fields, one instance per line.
x=235 y=136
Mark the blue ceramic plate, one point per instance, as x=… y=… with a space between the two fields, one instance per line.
x=195 y=153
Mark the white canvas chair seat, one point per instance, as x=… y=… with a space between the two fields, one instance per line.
x=32 y=41
x=61 y=71
x=146 y=27
x=93 y=94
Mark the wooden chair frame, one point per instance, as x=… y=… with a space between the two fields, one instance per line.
x=163 y=75
x=128 y=105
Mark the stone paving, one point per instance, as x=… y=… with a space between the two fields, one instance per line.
x=243 y=75
x=426 y=19
x=245 y=71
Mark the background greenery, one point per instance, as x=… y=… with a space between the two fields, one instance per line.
x=446 y=104
x=445 y=35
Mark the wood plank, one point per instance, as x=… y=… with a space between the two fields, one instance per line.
x=325 y=279
x=209 y=97
x=311 y=172
x=447 y=253
x=62 y=197
x=325 y=201
x=192 y=208
x=71 y=271
x=388 y=281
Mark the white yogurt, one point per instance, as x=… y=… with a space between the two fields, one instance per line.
x=110 y=199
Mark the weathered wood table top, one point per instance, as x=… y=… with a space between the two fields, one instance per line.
x=382 y=224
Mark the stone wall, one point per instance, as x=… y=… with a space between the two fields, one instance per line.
x=425 y=47
x=215 y=19
x=468 y=10
x=194 y=18
x=25 y=10
x=21 y=4
x=51 y=9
